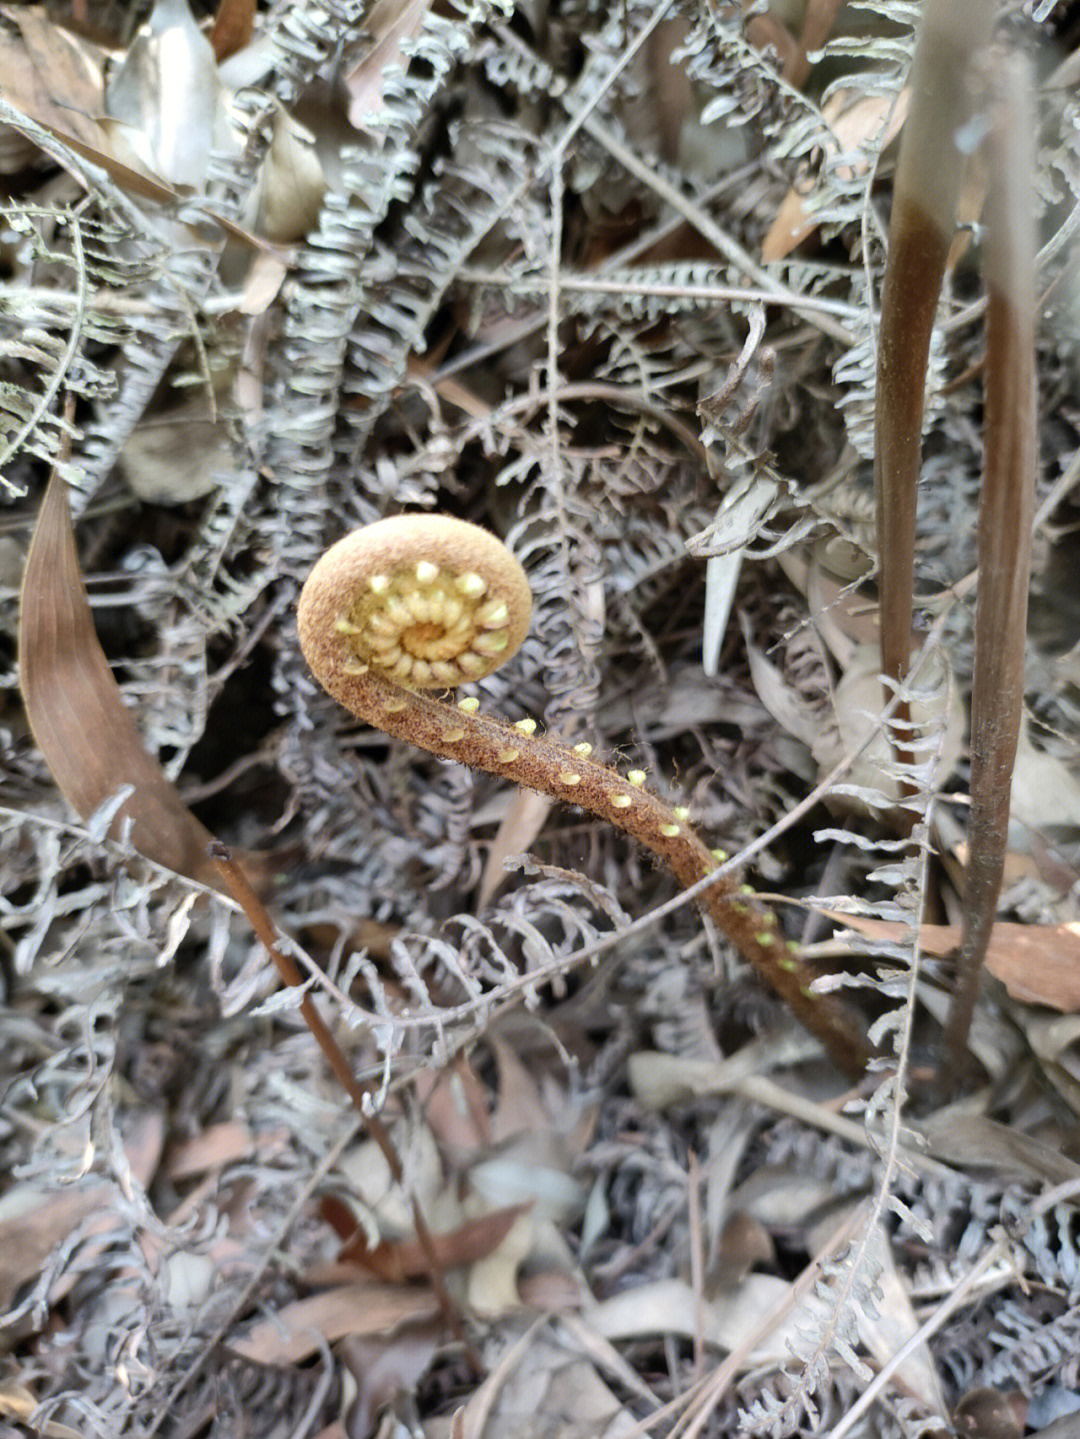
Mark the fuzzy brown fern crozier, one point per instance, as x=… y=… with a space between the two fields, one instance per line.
x=429 y=602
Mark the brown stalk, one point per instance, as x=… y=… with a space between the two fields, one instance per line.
x=926 y=191
x=427 y=601
x=235 y=881
x=1006 y=509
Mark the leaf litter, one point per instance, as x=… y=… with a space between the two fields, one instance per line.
x=639 y=1183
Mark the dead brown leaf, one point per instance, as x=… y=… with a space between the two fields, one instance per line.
x=556 y=1291
x=856 y=697
x=73 y=704
x=853 y=124
x=234 y=25
x=843 y=618
x=520 y=1108
x=260 y=287
x=975 y=1141
x=768 y=32
x=455 y=1105
x=50 y=75
x=764 y=1306
x=17 y=1403
x=542 y=1390
x=291 y=183
x=384 y=1369
x=1053 y=1039
x=215 y=1146
x=168 y=95
x=34 y=1221
x=395 y=1260
x=1006 y=510
x=134 y=181
x=1037 y=963
x=891 y=1325
x=519 y=826
x=176 y=455
x=293 y=1334
x=390 y=22
x=818 y=21
x=742 y=1243
x=670 y=91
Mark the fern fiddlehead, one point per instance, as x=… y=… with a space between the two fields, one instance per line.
x=423 y=602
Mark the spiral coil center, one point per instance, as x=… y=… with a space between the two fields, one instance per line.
x=425 y=626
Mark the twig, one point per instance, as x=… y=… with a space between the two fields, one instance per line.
x=997 y=1251
x=709 y=230
x=585 y=284
x=258 y=917
x=697 y=1261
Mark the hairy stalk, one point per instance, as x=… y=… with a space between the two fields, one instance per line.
x=425 y=601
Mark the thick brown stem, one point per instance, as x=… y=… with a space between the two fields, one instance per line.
x=925 y=195
x=1006 y=507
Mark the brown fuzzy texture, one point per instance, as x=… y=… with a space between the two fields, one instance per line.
x=339 y=590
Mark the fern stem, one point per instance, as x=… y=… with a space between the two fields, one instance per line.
x=1006 y=507
x=925 y=197
x=379 y=618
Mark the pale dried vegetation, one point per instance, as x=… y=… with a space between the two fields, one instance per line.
x=607 y=280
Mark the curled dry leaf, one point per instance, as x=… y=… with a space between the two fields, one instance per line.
x=77 y=716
